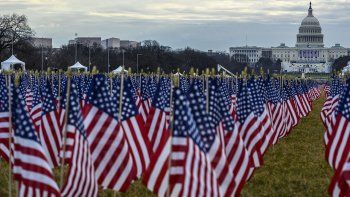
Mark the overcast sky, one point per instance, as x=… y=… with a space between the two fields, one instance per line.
x=201 y=24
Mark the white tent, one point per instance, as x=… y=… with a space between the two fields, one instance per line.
x=119 y=70
x=346 y=69
x=77 y=66
x=178 y=74
x=10 y=62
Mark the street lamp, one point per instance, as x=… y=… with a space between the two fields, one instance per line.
x=123 y=58
x=137 y=62
x=89 y=60
x=42 y=58
x=108 y=59
x=76 y=47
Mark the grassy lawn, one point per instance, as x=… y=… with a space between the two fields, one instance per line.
x=294 y=167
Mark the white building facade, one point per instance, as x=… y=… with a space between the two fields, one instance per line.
x=309 y=54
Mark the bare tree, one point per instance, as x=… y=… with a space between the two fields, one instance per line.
x=14 y=28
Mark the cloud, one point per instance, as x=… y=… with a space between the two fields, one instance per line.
x=199 y=23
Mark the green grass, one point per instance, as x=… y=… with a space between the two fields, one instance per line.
x=294 y=167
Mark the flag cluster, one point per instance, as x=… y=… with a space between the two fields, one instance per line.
x=335 y=115
x=204 y=136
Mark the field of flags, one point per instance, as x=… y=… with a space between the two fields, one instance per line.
x=335 y=115
x=180 y=135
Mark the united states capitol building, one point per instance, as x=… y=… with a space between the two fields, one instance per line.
x=308 y=56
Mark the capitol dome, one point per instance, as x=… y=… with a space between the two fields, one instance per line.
x=310 y=20
x=310 y=31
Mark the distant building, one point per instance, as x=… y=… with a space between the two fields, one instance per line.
x=308 y=56
x=215 y=53
x=86 y=41
x=128 y=44
x=110 y=43
x=71 y=42
x=41 y=42
x=247 y=54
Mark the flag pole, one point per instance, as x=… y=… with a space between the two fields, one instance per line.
x=10 y=135
x=173 y=83
x=120 y=104
x=65 y=131
x=206 y=77
x=59 y=88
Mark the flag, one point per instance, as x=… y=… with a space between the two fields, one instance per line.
x=231 y=161
x=291 y=105
x=144 y=101
x=30 y=169
x=81 y=179
x=338 y=148
x=289 y=114
x=261 y=112
x=50 y=131
x=157 y=120
x=248 y=125
x=133 y=126
x=4 y=120
x=114 y=166
x=339 y=139
x=36 y=109
x=191 y=172
x=328 y=109
x=274 y=105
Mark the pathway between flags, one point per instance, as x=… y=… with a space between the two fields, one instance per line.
x=296 y=166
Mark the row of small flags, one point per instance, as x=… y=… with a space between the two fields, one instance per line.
x=182 y=136
x=335 y=115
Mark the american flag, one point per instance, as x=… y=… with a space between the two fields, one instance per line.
x=248 y=125
x=30 y=169
x=36 y=110
x=157 y=121
x=340 y=184
x=25 y=90
x=338 y=148
x=329 y=107
x=144 y=101
x=156 y=177
x=275 y=108
x=291 y=105
x=228 y=178
x=327 y=90
x=114 y=166
x=303 y=97
x=236 y=152
x=338 y=137
x=132 y=125
x=50 y=131
x=289 y=115
x=4 y=120
x=81 y=179
x=191 y=173
x=261 y=112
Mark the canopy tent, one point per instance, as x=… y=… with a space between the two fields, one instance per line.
x=346 y=69
x=10 y=62
x=119 y=70
x=77 y=66
x=178 y=74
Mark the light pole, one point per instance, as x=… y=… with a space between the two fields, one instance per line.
x=123 y=58
x=89 y=60
x=108 y=59
x=76 y=48
x=137 y=62
x=42 y=58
